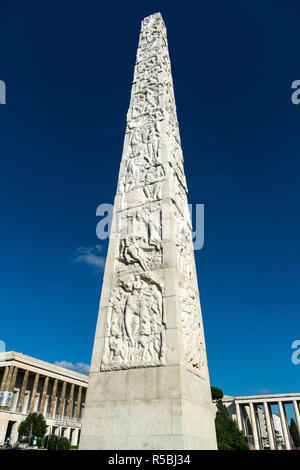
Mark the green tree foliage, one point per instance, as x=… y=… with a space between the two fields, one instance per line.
x=294 y=433
x=223 y=446
x=229 y=437
x=41 y=442
x=52 y=442
x=58 y=443
x=216 y=393
x=63 y=444
x=35 y=423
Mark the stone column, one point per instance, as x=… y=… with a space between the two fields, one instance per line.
x=297 y=413
x=62 y=400
x=14 y=433
x=74 y=441
x=13 y=380
x=67 y=433
x=23 y=390
x=78 y=406
x=9 y=377
x=71 y=401
x=11 y=386
x=33 y=396
x=284 y=426
x=44 y=394
x=4 y=378
x=36 y=402
x=15 y=404
x=254 y=426
x=3 y=428
x=53 y=399
x=6 y=382
x=269 y=425
x=238 y=416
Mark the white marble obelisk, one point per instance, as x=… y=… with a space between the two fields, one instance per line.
x=149 y=385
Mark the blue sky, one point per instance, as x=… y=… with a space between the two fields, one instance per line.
x=68 y=68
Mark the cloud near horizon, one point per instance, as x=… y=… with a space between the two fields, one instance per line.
x=80 y=367
x=90 y=256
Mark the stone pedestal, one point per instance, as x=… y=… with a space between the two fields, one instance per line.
x=155 y=408
x=149 y=384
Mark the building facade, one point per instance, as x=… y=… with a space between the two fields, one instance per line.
x=263 y=419
x=29 y=385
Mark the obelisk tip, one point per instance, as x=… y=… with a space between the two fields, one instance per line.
x=152 y=17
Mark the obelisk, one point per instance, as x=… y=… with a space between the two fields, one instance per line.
x=149 y=384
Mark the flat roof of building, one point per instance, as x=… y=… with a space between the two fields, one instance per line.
x=262 y=397
x=22 y=361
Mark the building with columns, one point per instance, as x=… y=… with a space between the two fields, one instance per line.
x=29 y=385
x=262 y=427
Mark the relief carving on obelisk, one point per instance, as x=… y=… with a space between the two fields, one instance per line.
x=135 y=330
x=191 y=321
x=151 y=172
x=140 y=239
x=135 y=335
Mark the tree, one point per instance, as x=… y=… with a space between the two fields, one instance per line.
x=216 y=393
x=58 y=443
x=33 y=425
x=52 y=442
x=63 y=444
x=229 y=437
x=294 y=433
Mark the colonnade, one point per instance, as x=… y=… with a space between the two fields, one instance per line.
x=249 y=409
x=66 y=406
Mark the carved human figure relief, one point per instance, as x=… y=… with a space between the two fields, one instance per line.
x=135 y=330
x=140 y=245
x=193 y=337
x=153 y=182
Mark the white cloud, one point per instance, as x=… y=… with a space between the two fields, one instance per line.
x=91 y=256
x=80 y=367
x=265 y=391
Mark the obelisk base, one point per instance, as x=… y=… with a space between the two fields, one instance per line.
x=157 y=408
